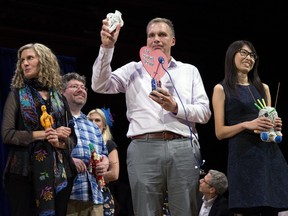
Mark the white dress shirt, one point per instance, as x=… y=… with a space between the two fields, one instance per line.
x=144 y=114
x=206 y=206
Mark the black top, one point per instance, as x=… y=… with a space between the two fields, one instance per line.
x=257 y=171
x=19 y=140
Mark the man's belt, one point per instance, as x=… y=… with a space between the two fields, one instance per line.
x=164 y=135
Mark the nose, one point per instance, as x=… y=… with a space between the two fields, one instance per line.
x=25 y=62
x=249 y=55
x=156 y=39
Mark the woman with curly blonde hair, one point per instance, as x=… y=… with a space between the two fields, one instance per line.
x=49 y=69
x=39 y=172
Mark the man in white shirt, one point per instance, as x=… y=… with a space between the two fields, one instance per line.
x=164 y=153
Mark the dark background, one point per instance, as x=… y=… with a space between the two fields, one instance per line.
x=204 y=30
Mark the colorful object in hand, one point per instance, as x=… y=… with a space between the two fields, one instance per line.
x=95 y=158
x=150 y=61
x=269 y=112
x=46 y=119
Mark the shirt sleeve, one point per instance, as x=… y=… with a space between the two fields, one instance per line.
x=102 y=70
x=13 y=131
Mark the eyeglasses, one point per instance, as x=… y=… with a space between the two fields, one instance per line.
x=203 y=180
x=245 y=53
x=76 y=87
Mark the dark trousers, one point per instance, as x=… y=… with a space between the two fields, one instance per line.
x=20 y=195
x=21 y=198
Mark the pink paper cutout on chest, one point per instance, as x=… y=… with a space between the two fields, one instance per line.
x=150 y=61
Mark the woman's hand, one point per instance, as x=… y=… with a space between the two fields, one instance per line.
x=259 y=124
x=102 y=166
x=278 y=124
x=63 y=132
x=52 y=136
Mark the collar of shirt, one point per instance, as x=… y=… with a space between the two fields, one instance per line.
x=208 y=203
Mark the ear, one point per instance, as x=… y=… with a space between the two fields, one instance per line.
x=212 y=190
x=173 y=42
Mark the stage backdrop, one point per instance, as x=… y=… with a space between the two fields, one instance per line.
x=8 y=58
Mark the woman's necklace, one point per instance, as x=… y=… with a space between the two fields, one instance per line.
x=251 y=93
x=262 y=104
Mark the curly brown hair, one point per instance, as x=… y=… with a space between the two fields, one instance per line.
x=49 y=69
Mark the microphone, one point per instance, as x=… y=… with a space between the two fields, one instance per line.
x=153 y=81
x=161 y=60
x=194 y=141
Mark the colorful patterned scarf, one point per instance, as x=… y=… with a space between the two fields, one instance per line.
x=49 y=176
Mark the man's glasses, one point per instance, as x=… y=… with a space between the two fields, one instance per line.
x=76 y=87
x=203 y=180
x=245 y=53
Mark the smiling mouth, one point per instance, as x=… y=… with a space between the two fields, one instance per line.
x=80 y=95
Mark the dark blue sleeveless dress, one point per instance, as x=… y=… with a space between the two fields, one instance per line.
x=257 y=170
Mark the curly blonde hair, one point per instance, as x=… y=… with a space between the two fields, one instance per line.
x=49 y=69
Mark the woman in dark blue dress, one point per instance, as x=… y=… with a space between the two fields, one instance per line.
x=257 y=170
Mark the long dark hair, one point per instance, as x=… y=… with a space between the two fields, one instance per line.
x=230 y=79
